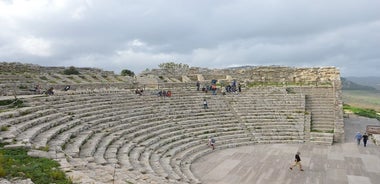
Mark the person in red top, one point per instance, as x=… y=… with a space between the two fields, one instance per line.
x=297 y=161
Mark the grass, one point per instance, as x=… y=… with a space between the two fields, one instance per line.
x=16 y=163
x=362 y=99
x=11 y=103
x=370 y=113
x=3 y=128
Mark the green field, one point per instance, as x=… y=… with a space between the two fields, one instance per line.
x=362 y=99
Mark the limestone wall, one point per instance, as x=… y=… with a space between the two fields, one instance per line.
x=280 y=74
x=16 y=67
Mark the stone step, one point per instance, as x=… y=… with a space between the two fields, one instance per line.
x=321 y=138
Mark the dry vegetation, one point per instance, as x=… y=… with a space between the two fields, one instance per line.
x=362 y=99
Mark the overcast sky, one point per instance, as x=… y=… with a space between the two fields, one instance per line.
x=140 y=34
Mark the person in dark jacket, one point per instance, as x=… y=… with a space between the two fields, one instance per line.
x=297 y=161
x=365 y=139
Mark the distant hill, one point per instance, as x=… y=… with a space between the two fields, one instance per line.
x=347 y=84
x=366 y=81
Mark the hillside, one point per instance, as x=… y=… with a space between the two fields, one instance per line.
x=361 y=93
x=368 y=99
x=23 y=78
x=366 y=81
x=347 y=84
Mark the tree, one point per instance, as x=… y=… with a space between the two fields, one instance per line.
x=127 y=72
x=71 y=71
x=174 y=69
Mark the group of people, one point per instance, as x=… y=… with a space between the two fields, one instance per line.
x=50 y=91
x=230 y=88
x=359 y=137
x=164 y=93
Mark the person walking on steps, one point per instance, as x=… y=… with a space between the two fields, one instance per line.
x=358 y=137
x=211 y=142
x=297 y=161
x=205 y=106
x=365 y=139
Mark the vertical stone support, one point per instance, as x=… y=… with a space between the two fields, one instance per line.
x=307 y=126
x=338 y=105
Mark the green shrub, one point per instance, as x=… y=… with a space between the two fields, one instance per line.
x=71 y=71
x=44 y=148
x=370 y=113
x=2 y=171
x=12 y=103
x=290 y=91
x=4 y=128
x=127 y=72
x=43 y=78
x=22 y=87
x=16 y=163
x=23 y=113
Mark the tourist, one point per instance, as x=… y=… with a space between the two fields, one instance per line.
x=211 y=143
x=139 y=92
x=223 y=91
x=358 y=137
x=50 y=91
x=213 y=89
x=205 y=106
x=160 y=93
x=66 y=88
x=228 y=88
x=365 y=139
x=198 y=85
x=239 y=87
x=38 y=88
x=297 y=161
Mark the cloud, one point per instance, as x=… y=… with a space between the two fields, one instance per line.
x=35 y=46
x=141 y=34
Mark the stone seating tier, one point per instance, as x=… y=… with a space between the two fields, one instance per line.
x=155 y=135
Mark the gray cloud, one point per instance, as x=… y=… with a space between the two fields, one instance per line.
x=115 y=35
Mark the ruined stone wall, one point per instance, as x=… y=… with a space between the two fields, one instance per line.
x=277 y=74
x=280 y=74
x=16 y=67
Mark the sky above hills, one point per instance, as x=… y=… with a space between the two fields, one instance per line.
x=136 y=35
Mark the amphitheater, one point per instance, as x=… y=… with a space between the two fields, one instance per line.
x=101 y=131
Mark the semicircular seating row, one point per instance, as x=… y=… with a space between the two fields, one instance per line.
x=122 y=136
